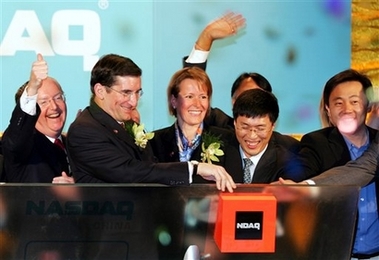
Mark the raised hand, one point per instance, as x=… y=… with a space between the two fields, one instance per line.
x=225 y=26
x=38 y=73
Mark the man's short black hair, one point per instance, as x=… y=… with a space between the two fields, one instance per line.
x=256 y=103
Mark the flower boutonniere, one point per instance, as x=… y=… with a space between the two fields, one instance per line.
x=138 y=133
x=211 y=148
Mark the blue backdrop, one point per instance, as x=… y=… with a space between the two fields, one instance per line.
x=296 y=45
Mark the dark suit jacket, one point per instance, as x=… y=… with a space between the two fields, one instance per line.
x=275 y=161
x=102 y=151
x=326 y=148
x=322 y=150
x=166 y=149
x=218 y=118
x=28 y=155
x=356 y=172
x=201 y=65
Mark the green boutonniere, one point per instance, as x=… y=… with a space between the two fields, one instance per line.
x=138 y=133
x=211 y=148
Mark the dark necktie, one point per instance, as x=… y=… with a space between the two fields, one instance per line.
x=63 y=156
x=246 y=170
x=59 y=143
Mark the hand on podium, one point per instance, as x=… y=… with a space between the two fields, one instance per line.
x=288 y=182
x=288 y=190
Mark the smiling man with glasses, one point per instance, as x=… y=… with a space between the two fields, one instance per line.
x=264 y=160
x=57 y=99
x=29 y=142
x=102 y=151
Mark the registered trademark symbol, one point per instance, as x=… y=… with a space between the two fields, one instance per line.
x=103 y=4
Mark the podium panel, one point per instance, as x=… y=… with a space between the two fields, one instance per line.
x=159 y=222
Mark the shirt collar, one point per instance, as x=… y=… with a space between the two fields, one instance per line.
x=255 y=158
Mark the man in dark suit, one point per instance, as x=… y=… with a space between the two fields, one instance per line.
x=102 y=151
x=346 y=105
x=30 y=154
x=255 y=113
x=360 y=172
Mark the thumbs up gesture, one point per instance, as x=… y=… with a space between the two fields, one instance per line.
x=38 y=73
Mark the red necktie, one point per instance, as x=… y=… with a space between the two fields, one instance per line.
x=59 y=143
x=65 y=163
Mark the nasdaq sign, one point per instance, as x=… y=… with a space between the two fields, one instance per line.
x=26 y=33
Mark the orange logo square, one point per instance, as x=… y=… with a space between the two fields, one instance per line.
x=246 y=223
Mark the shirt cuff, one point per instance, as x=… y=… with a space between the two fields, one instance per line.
x=310 y=182
x=314 y=191
x=190 y=171
x=197 y=56
x=28 y=104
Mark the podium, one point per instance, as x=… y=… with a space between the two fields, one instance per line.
x=159 y=222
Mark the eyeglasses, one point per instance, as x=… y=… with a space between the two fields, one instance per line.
x=58 y=99
x=259 y=131
x=128 y=93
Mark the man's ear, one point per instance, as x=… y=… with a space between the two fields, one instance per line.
x=369 y=108
x=327 y=111
x=99 y=91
